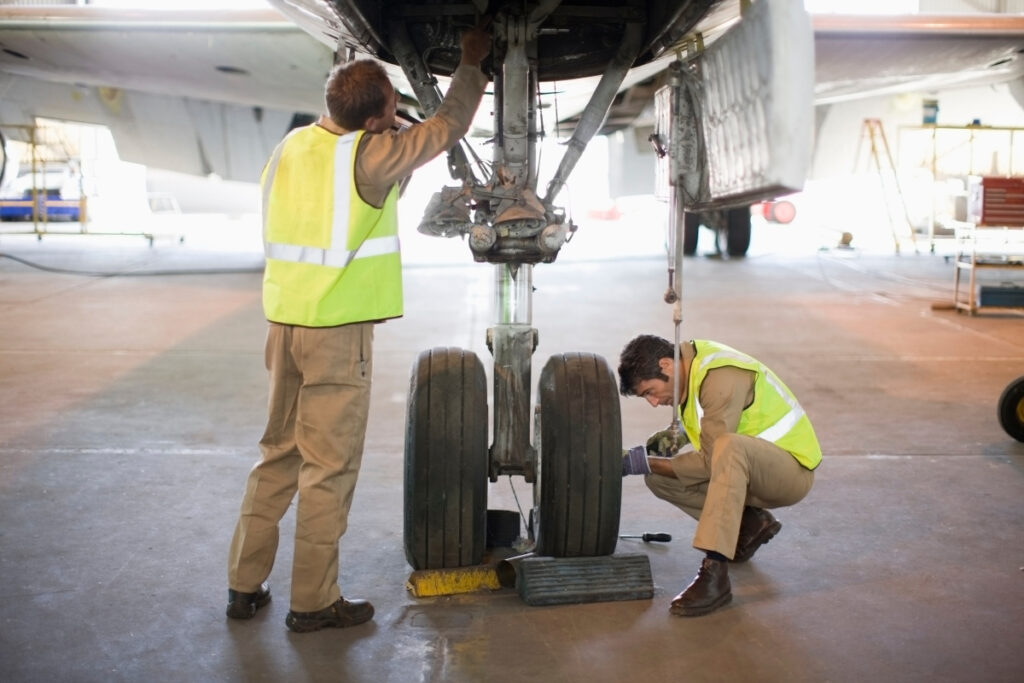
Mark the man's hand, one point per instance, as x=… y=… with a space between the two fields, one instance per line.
x=666 y=443
x=634 y=461
x=476 y=43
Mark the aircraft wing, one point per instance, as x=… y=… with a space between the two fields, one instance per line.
x=865 y=56
x=206 y=92
x=199 y=92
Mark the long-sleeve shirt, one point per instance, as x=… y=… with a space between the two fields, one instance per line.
x=384 y=159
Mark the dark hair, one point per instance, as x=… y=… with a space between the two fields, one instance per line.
x=356 y=91
x=639 y=361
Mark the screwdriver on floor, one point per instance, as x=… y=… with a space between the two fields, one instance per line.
x=647 y=538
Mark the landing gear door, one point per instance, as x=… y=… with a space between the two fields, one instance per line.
x=736 y=121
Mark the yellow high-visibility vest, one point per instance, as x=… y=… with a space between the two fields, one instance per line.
x=332 y=259
x=775 y=415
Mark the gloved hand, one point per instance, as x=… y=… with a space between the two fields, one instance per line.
x=667 y=442
x=634 y=461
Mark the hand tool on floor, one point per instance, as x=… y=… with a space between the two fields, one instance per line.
x=647 y=538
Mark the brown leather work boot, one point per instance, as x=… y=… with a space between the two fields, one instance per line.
x=341 y=614
x=757 y=527
x=708 y=591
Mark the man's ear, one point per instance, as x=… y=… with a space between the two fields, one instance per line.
x=666 y=366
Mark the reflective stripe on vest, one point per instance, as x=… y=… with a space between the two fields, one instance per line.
x=789 y=427
x=336 y=258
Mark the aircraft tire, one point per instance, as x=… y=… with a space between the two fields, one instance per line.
x=446 y=460
x=1011 y=409
x=579 y=444
x=737 y=223
x=691 y=230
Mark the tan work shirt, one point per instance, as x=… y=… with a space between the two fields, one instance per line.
x=384 y=159
x=724 y=394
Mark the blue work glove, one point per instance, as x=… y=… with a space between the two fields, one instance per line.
x=666 y=443
x=634 y=461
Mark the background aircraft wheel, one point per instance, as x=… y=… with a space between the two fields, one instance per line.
x=580 y=458
x=1011 y=409
x=446 y=460
x=691 y=230
x=737 y=222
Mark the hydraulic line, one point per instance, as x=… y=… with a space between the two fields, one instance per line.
x=677 y=224
x=133 y=273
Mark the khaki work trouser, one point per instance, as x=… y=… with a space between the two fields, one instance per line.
x=313 y=444
x=742 y=470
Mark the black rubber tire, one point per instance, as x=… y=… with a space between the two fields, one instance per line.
x=446 y=460
x=580 y=458
x=1011 y=409
x=737 y=225
x=691 y=231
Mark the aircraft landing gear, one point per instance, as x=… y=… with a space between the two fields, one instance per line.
x=575 y=461
x=731 y=228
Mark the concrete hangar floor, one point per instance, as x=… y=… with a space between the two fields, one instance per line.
x=132 y=406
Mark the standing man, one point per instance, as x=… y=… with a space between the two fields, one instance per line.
x=751 y=447
x=330 y=231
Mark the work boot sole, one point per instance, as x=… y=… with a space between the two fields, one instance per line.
x=767 y=534
x=307 y=624
x=700 y=610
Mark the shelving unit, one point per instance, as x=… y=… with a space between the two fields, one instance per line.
x=950 y=155
x=994 y=239
x=47 y=149
x=50 y=145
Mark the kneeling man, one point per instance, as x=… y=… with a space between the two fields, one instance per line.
x=746 y=446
